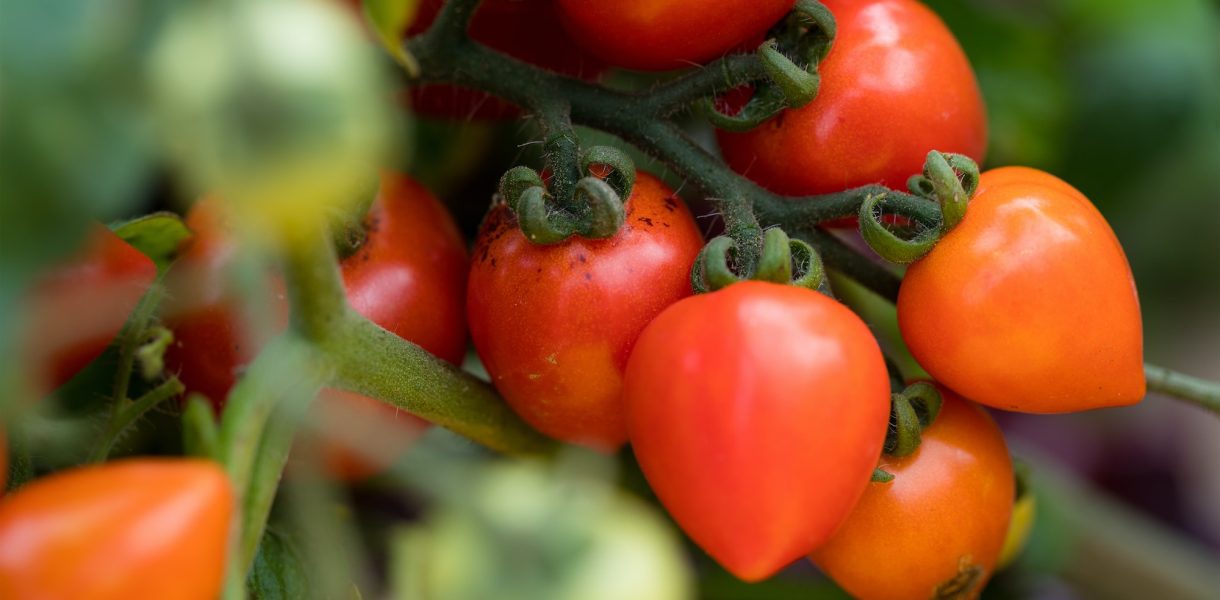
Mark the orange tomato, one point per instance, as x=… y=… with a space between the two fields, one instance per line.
x=1028 y=304
x=939 y=524
x=141 y=528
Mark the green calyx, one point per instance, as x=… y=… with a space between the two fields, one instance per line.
x=782 y=260
x=911 y=411
x=594 y=206
x=789 y=59
x=947 y=179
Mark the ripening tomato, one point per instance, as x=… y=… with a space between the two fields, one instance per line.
x=939 y=524
x=554 y=324
x=78 y=308
x=409 y=276
x=1028 y=304
x=667 y=34
x=895 y=86
x=528 y=30
x=139 y=528
x=757 y=413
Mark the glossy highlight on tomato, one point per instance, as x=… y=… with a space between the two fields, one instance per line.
x=554 y=324
x=936 y=529
x=1005 y=309
x=137 y=528
x=895 y=86
x=757 y=413
x=660 y=35
x=409 y=276
x=79 y=307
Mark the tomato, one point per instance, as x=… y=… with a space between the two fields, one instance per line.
x=939 y=524
x=78 y=308
x=757 y=413
x=667 y=34
x=1028 y=304
x=528 y=30
x=141 y=528
x=895 y=86
x=554 y=324
x=409 y=276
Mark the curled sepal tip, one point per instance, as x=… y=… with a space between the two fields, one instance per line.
x=515 y=182
x=950 y=180
x=798 y=85
x=788 y=261
x=605 y=208
x=911 y=411
x=539 y=224
x=766 y=102
x=621 y=173
x=712 y=270
x=888 y=244
x=882 y=476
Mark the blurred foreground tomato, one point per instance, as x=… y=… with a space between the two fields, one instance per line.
x=408 y=276
x=139 y=528
x=667 y=34
x=895 y=86
x=1028 y=304
x=936 y=529
x=554 y=324
x=78 y=308
x=757 y=413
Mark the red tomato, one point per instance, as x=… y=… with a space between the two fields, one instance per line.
x=554 y=324
x=527 y=30
x=143 y=528
x=757 y=413
x=76 y=310
x=1029 y=303
x=409 y=277
x=939 y=524
x=667 y=34
x=895 y=86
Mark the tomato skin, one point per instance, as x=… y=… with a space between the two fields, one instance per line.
x=947 y=508
x=895 y=86
x=409 y=277
x=139 y=528
x=757 y=413
x=1028 y=304
x=527 y=30
x=554 y=324
x=660 y=35
x=78 y=308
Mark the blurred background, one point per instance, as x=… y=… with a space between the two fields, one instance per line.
x=1119 y=97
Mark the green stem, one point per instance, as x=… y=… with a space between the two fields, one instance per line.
x=377 y=363
x=122 y=420
x=1200 y=392
x=264 y=483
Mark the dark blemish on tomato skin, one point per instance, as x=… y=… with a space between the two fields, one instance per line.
x=665 y=224
x=588 y=276
x=646 y=221
x=583 y=258
x=670 y=204
x=493 y=263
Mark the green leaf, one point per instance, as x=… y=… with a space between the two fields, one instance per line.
x=158 y=236
x=390 y=19
x=278 y=572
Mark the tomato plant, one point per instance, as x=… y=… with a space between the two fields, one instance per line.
x=936 y=529
x=757 y=413
x=895 y=86
x=1003 y=309
x=554 y=324
x=79 y=307
x=667 y=34
x=140 y=528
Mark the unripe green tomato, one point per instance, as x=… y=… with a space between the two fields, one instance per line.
x=279 y=106
x=523 y=532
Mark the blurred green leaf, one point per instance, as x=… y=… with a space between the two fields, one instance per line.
x=390 y=19
x=279 y=569
x=158 y=236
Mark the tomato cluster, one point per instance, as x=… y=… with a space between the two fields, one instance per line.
x=759 y=412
